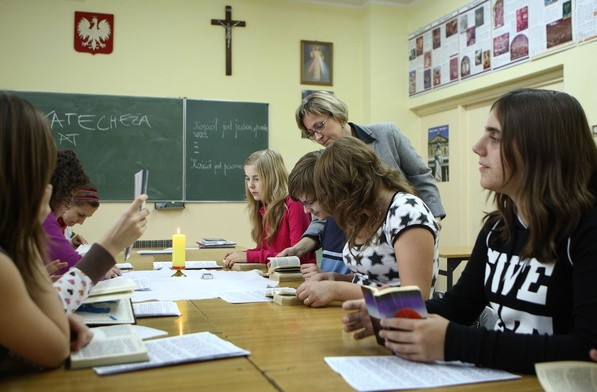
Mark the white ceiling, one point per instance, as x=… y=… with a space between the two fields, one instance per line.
x=359 y=3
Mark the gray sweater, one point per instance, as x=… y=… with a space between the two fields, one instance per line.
x=396 y=150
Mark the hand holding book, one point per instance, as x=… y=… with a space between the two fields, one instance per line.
x=405 y=302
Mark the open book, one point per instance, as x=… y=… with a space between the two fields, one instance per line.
x=109 y=302
x=201 y=346
x=112 y=289
x=118 y=311
x=110 y=345
x=577 y=376
x=284 y=269
x=405 y=301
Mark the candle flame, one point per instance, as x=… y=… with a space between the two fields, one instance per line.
x=178 y=230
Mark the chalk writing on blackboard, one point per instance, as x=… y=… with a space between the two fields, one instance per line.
x=220 y=136
x=217 y=168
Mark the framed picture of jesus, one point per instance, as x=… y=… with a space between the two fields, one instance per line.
x=317 y=63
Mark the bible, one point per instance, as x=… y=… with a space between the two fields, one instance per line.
x=405 y=301
x=284 y=269
x=109 y=302
x=110 y=345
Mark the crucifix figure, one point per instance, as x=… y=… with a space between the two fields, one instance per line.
x=228 y=24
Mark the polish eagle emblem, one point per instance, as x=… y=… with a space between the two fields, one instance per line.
x=94 y=33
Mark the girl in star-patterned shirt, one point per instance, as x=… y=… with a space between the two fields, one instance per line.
x=391 y=234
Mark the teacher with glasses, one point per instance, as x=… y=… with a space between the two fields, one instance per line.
x=323 y=118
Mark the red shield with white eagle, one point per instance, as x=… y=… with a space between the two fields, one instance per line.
x=94 y=33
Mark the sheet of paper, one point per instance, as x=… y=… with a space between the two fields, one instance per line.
x=148 y=332
x=124 y=266
x=164 y=287
x=166 y=251
x=198 y=264
x=156 y=309
x=243 y=297
x=202 y=346
x=381 y=373
x=83 y=249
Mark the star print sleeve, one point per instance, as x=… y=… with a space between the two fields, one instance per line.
x=408 y=211
x=73 y=288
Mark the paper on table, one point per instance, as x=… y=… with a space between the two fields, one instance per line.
x=380 y=373
x=145 y=332
x=202 y=346
x=202 y=264
x=156 y=309
x=193 y=286
x=165 y=251
x=243 y=297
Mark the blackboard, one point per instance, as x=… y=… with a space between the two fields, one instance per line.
x=194 y=149
x=116 y=136
x=220 y=135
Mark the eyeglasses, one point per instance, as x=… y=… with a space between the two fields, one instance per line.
x=318 y=127
x=308 y=203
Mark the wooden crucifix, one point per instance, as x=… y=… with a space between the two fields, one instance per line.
x=228 y=24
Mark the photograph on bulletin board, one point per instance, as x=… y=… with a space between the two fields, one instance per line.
x=438 y=152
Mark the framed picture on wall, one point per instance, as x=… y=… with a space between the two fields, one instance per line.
x=317 y=62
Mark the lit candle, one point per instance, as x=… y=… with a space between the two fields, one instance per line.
x=179 y=243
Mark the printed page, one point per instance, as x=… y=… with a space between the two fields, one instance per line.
x=156 y=309
x=115 y=285
x=382 y=373
x=199 y=264
x=202 y=346
x=145 y=332
x=109 y=312
x=288 y=261
x=113 y=343
x=243 y=297
x=574 y=376
x=165 y=287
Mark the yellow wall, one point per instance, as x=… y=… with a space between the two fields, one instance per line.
x=170 y=49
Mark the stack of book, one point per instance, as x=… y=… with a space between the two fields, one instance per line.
x=209 y=243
